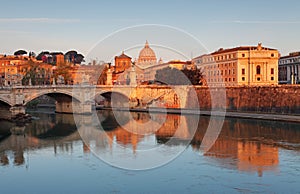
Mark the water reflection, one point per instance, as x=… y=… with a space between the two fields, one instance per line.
x=244 y=145
x=50 y=130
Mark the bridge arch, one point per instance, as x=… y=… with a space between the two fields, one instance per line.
x=68 y=94
x=4 y=102
x=119 y=98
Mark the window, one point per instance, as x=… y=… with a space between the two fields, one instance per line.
x=272 y=55
x=229 y=72
x=272 y=71
x=243 y=78
x=243 y=71
x=225 y=79
x=229 y=79
x=233 y=71
x=233 y=79
x=272 y=78
x=258 y=70
x=258 y=79
x=243 y=55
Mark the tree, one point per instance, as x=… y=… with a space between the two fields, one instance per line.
x=79 y=58
x=70 y=56
x=36 y=74
x=74 y=57
x=41 y=54
x=32 y=54
x=64 y=71
x=173 y=76
x=194 y=75
x=20 y=52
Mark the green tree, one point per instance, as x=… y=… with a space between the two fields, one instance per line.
x=74 y=57
x=36 y=74
x=63 y=70
x=41 y=54
x=20 y=52
x=173 y=76
x=195 y=76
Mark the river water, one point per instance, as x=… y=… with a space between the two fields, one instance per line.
x=49 y=155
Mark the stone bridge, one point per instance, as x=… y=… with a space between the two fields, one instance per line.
x=80 y=98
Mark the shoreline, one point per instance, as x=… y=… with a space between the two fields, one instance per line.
x=226 y=114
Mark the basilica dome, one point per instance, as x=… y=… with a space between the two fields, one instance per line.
x=147 y=56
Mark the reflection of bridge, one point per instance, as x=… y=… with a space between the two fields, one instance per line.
x=248 y=145
x=80 y=98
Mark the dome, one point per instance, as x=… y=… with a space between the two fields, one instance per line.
x=147 y=56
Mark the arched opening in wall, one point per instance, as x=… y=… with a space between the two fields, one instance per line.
x=43 y=102
x=111 y=99
x=47 y=102
x=4 y=110
x=258 y=69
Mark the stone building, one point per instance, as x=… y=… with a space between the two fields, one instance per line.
x=289 y=69
x=147 y=56
x=145 y=66
x=14 y=68
x=122 y=62
x=244 y=65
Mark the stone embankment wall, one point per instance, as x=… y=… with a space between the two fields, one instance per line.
x=283 y=99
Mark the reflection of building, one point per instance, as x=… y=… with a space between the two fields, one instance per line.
x=124 y=137
x=289 y=69
x=255 y=156
x=244 y=65
x=244 y=154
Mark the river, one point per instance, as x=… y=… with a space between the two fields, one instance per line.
x=57 y=154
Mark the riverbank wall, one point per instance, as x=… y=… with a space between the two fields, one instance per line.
x=280 y=99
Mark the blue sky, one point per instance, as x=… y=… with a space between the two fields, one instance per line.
x=64 y=25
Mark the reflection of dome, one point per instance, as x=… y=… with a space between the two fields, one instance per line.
x=147 y=56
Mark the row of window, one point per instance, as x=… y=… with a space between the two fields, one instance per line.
x=258 y=78
x=222 y=80
x=287 y=61
x=258 y=70
x=222 y=72
x=221 y=65
x=216 y=58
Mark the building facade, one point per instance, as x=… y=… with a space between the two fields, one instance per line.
x=244 y=65
x=145 y=66
x=122 y=62
x=289 y=69
x=14 y=68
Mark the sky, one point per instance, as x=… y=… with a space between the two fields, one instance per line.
x=80 y=25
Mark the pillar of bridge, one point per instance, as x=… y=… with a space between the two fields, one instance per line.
x=73 y=107
x=15 y=110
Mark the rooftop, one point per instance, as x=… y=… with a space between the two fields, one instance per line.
x=123 y=56
x=293 y=54
x=242 y=48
